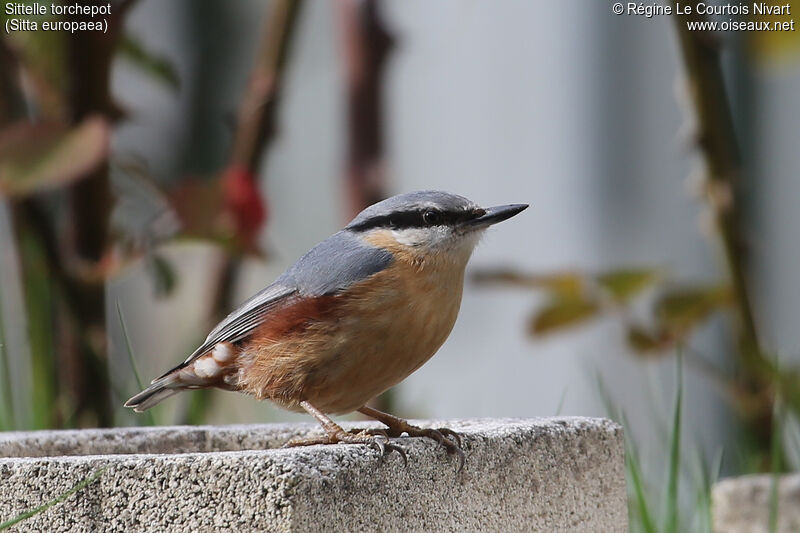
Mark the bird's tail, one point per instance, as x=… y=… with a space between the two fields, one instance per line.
x=207 y=370
x=161 y=389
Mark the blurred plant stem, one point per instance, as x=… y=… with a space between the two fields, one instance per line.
x=255 y=125
x=255 y=130
x=365 y=44
x=11 y=101
x=716 y=140
x=7 y=417
x=67 y=261
x=38 y=290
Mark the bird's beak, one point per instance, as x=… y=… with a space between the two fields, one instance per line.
x=496 y=214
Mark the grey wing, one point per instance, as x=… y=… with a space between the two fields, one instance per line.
x=245 y=318
x=329 y=267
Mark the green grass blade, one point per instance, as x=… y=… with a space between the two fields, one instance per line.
x=704 y=482
x=608 y=403
x=657 y=413
x=636 y=482
x=638 y=501
x=132 y=360
x=791 y=431
x=700 y=475
x=776 y=462
x=671 y=513
x=561 y=402
x=7 y=421
x=40 y=299
x=713 y=477
x=55 y=501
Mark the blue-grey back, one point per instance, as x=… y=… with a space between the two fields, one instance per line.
x=334 y=264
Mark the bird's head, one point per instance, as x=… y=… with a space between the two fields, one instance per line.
x=425 y=223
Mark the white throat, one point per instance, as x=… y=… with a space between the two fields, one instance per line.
x=439 y=240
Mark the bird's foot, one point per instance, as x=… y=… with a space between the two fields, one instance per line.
x=379 y=441
x=447 y=438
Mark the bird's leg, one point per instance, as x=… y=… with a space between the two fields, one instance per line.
x=397 y=426
x=335 y=434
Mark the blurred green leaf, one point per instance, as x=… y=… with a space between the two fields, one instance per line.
x=563 y=284
x=40 y=297
x=563 y=312
x=560 y=283
x=163 y=274
x=36 y=157
x=680 y=310
x=156 y=66
x=776 y=45
x=626 y=283
x=644 y=342
x=42 y=55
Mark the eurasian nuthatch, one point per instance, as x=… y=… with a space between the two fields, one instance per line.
x=353 y=317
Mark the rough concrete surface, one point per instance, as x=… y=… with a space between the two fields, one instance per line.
x=555 y=474
x=742 y=504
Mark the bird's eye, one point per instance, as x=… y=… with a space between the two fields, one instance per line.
x=432 y=218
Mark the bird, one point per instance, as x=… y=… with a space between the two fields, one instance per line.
x=353 y=317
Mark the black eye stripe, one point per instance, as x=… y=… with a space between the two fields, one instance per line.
x=421 y=218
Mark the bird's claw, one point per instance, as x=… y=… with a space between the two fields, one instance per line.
x=385 y=447
x=450 y=434
x=446 y=438
x=377 y=439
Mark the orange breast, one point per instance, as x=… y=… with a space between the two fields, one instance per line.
x=340 y=351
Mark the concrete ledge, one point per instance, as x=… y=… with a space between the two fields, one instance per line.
x=557 y=474
x=741 y=504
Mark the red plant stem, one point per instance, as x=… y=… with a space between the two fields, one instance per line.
x=256 y=119
x=365 y=46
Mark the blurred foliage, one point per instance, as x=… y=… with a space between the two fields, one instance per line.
x=38 y=290
x=39 y=156
x=658 y=316
x=81 y=215
x=574 y=298
x=155 y=66
x=651 y=508
x=777 y=45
